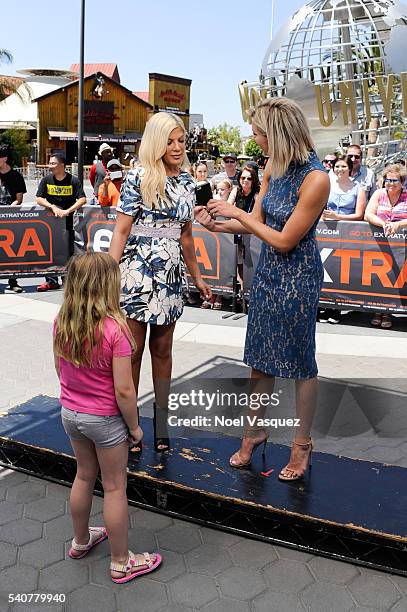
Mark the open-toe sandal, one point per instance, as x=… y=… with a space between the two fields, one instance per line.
x=96 y=535
x=136 y=565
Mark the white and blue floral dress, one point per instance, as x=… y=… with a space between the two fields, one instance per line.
x=152 y=268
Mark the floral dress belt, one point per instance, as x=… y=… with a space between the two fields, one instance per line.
x=156 y=232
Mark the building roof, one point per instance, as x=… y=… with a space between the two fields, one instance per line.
x=143 y=95
x=90 y=76
x=21 y=107
x=10 y=83
x=109 y=70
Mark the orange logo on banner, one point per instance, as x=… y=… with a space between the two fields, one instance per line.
x=210 y=268
x=30 y=242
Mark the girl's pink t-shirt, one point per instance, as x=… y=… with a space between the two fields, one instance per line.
x=91 y=390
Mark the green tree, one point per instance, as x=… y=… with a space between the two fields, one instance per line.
x=227 y=137
x=17 y=140
x=252 y=148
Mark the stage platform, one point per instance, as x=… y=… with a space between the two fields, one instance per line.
x=345 y=509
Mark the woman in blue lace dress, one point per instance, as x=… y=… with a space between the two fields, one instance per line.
x=280 y=339
x=153 y=234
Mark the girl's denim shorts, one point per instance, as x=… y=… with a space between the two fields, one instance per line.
x=103 y=431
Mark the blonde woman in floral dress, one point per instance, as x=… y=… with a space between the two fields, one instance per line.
x=153 y=234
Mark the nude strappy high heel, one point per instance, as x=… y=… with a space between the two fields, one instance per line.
x=235 y=460
x=288 y=473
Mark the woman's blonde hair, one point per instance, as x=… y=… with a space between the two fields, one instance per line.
x=396 y=169
x=284 y=124
x=227 y=182
x=92 y=293
x=152 y=149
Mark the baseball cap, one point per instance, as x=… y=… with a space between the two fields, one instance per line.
x=230 y=156
x=5 y=150
x=113 y=162
x=104 y=147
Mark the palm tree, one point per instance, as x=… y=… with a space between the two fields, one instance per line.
x=9 y=86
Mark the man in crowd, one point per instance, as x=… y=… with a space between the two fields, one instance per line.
x=360 y=174
x=231 y=172
x=328 y=161
x=109 y=190
x=12 y=190
x=62 y=194
x=98 y=171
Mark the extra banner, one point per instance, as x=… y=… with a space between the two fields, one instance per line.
x=363 y=270
x=215 y=252
x=32 y=241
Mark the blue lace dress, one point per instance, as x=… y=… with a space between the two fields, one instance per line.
x=280 y=339
x=151 y=268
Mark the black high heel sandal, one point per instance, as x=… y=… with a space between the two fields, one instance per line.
x=162 y=441
x=138 y=447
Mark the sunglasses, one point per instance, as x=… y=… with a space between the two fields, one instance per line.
x=386 y=180
x=229 y=161
x=246 y=178
x=328 y=161
x=355 y=156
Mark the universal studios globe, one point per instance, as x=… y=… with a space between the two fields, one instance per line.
x=343 y=62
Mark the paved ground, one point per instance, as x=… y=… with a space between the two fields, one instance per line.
x=203 y=569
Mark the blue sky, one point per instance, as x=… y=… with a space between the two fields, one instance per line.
x=216 y=44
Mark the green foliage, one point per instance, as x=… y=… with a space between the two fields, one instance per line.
x=227 y=137
x=252 y=148
x=17 y=140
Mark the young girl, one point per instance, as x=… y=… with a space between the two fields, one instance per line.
x=92 y=349
x=223 y=189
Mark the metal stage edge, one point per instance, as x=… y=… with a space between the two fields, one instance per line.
x=327 y=539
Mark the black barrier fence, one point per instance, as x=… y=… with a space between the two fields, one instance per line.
x=363 y=269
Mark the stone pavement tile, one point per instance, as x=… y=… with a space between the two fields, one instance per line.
x=240 y=583
x=41 y=553
x=180 y=537
x=207 y=559
x=173 y=608
x=383 y=454
x=399 y=581
x=19 y=579
x=143 y=519
x=172 y=566
x=373 y=589
x=143 y=540
x=9 y=511
x=270 y=601
x=194 y=590
x=45 y=509
x=283 y=552
x=220 y=538
x=8 y=554
x=401 y=606
x=64 y=576
x=330 y=570
x=57 y=491
x=26 y=492
x=91 y=597
x=39 y=607
x=253 y=554
x=318 y=597
x=141 y=595
x=287 y=576
x=21 y=531
x=59 y=528
x=227 y=605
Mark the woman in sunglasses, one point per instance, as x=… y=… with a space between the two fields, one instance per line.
x=387 y=209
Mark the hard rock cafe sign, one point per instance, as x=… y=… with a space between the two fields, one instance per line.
x=345 y=63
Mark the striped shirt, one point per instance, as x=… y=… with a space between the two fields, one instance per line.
x=387 y=212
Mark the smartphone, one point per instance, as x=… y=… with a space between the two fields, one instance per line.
x=203 y=193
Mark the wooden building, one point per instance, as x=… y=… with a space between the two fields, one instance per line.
x=113 y=114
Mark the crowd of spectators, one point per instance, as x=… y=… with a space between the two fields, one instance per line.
x=356 y=194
